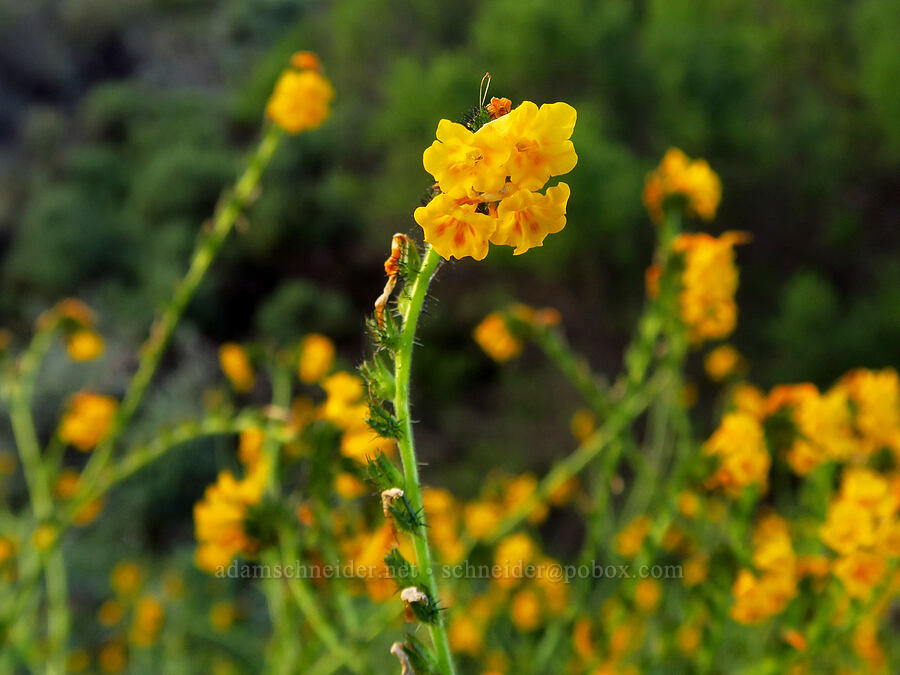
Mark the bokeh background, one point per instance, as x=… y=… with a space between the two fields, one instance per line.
x=121 y=121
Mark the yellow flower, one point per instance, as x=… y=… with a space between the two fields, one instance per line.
x=630 y=540
x=462 y=161
x=494 y=337
x=222 y=616
x=219 y=517
x=349 y=486
x=301 y=100
x=85 y=345
x=748 y=399
x=688 y=638
x=481 y=519
x=688 y=504
x=860 y=572
x=512 y=556
x=678 y=175
x=125 y=578
x=88 y=420
x=695 y=570
x=722 y=362
x=250 y=446
x=647 y=594
x=709 y=282
x=44 y=537
x=148 y=619
x=78 y=661
x=466 y=636
x=540 y=142
x=739 y=443
x=454 y=228
x=847 y=527
x=756 y=599
x=236 y=366
x=344 y=393
x=316 y=358
x=113 y=657
x=876 y=396
x=525 y=218
x=525 y=610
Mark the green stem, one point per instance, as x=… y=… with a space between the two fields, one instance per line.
x=227 y=213
x=413 y=491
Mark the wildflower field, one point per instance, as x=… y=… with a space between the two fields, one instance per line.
x=495 y=338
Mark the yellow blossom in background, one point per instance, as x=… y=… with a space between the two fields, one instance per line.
x=694 y=180
x=722 y=362
x=631 y=539
x=126 y=578
x=66 y=484
x=494 y=337
x=876 y=398
x=482 y=519
x=688 y=504
x=739 y=444
x=110 y=613
x=688 y=638
x=113 y=657
x=44 y=537
x=860 y=572
x=302 y=98
x=466 y=636
x=525 y=610
x=748 y=399
x=349 y=486
x=147 y=622
x=758 y=597
x=647 y=594
x=85 y=345
x=219 y=517
x=250 y=446
x=512 y=555
x=344 y=398
x=695 y=570
x=582 y=424
x=316 y=358
x=222 y=615
x=7 y=549
x=87 y=420
x=236 y=365
x=70 y=309
x=709 y=283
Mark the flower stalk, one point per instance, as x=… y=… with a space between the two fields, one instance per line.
x=413 y=491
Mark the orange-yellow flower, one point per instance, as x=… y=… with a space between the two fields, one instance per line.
x=525 y=218
x=461 y=160
x=316 y=358
x=301 y=99
x=678 y=175
x=721 y=362
x=85 y=345
x=540 y=141
x=236 y=365
x=494 y=337
x=454 y=228
x=739 y=443
x=88 y=420
x=148 y=619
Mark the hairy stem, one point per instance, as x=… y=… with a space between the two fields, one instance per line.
x=402 y=370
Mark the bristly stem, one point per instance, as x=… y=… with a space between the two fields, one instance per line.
x=402 y=370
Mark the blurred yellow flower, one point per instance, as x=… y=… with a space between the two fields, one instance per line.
x=222 y=615
x=740 y=445
x=481 y=519
x=466 y=636
x=126 y=578
x=113 y=657
x=694 y=180
x=860 y=572
x=349 y=486
x=494 y=337
x=147 y=622
x=44 y=537
x=87 y=420
x=454 y=227
x=709 y=282
x=219 y=517
x=302 y=98
x=85 y=345
x=630 y=540
x=647 y=594
x=721 y=362
x=525 y=610
x=236 y=366
x=316 y=358
x=110 y=613
x=250 y=446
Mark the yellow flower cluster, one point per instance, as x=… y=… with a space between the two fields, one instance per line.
x=862 y=527
x=693 y=180
x=494 y=336
x=316 y=358
x=236 y=365
x=709 y=283
x=740 y=445
x=722 y=362
x=219 y=519
x=757 y=597
x=302 y=96
x=87 y=420
x=489 y=181
x=346 y=408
